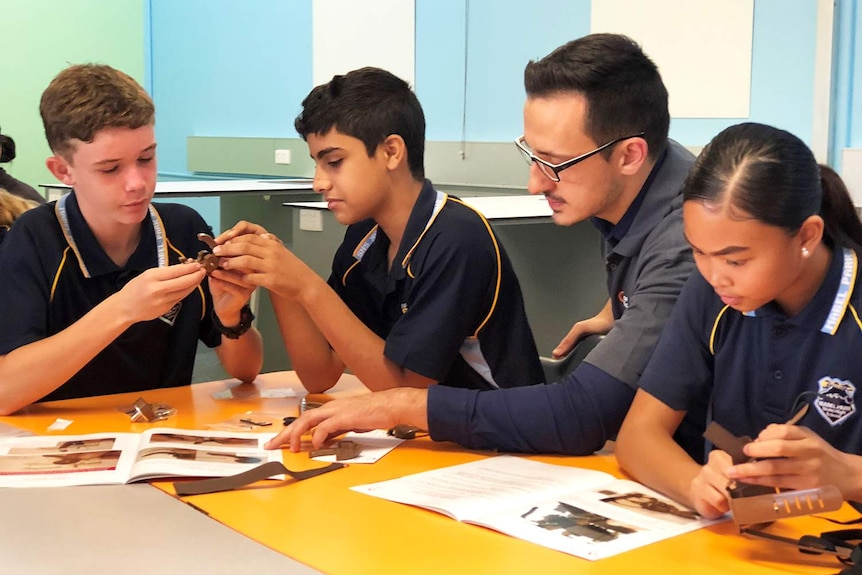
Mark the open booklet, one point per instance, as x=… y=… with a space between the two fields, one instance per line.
x=582 y=512
x=115 y=458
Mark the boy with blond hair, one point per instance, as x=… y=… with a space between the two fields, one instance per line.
x=91 y=299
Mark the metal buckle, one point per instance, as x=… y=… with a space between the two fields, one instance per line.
x=142 y=410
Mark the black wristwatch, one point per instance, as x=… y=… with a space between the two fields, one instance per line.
x=245 y=319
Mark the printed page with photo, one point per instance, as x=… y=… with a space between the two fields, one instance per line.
x=64 y=460
x=471 y=490
x=582 y=512
x=186 y=453
x=599 y=522
x=116 y=458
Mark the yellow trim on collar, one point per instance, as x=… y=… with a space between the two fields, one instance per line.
x=499 y=258
x=176 y=250
x=406 y=261
x=715 y=329
x=350 y=269
x=57 y=275
x=855 y=316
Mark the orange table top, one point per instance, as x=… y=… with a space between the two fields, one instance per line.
x=325 y=525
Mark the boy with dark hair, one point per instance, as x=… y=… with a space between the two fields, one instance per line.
x=90 y=299
x=421 y=291
x=595 y=136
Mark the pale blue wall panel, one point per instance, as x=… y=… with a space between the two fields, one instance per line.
x=231 y=69
x=844 y=78
x=785 y=39
x=847 y=94
x=503 y=36
x=226 y=68
x=440 y=66
x=853 y=137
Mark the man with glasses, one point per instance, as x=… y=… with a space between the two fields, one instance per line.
x=595 y=134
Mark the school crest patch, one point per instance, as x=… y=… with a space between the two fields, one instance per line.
x=170 y=317
x=835 y=400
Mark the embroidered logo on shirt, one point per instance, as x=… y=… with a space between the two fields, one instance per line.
x=170 y=317
x=835 y=400
x=403 y=308
x=624 y=299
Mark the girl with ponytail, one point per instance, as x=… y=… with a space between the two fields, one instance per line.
x=768 y=328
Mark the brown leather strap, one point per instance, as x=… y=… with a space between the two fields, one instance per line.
x=248 y=477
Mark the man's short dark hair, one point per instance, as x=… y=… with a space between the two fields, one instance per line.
x=369 y=104
x=624 y=91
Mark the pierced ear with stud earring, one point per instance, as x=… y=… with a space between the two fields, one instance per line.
x=805 y=252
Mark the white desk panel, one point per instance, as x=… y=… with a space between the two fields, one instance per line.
x=492 y=207
x=208 y=187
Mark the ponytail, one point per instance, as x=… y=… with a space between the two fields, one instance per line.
x=842 y=225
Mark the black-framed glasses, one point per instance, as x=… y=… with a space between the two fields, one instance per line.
x=552 y=171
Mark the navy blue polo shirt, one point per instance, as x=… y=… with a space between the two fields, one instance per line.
x=450 y=308
x=47 y=286
x=757 y=366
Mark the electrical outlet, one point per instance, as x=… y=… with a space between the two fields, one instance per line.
x=282 y=156
x=311 y=220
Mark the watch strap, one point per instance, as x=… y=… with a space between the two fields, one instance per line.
x=234 y=332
